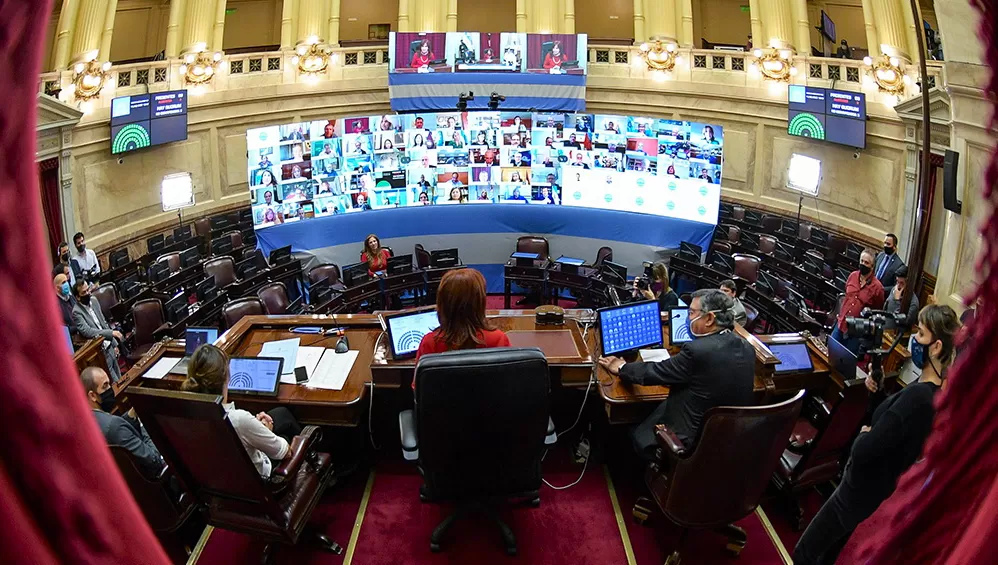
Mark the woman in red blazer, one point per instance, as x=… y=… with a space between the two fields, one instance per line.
x=461 y=311
x=374 y=255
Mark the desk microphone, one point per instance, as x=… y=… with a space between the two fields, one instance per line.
x=342 y=345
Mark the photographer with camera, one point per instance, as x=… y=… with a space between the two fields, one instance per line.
x=656 y=287
x=888 y=446
x=863 y=290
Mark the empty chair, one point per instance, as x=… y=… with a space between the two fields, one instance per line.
x=722 y=246
x=767 y=244
x=194 y=434
x=237 y=239
x=604 y=254
x=235 y=310
x=107 y=296
x=746 y=267
x=723 y=477
x=223 y=269
x=328 y=271
x=422 y=257
x=804 y=232
x=275 y=298
x=809 y=461
x=202 y=227
x=172 y=260
x=751 y=317
x=148 y=317
x=738 y=213
x=533 y=244
x=771 y=224
x=487 y=447
x=734 y=233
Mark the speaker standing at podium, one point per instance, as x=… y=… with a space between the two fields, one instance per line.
x=716 y=369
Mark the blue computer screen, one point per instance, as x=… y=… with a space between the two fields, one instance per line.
x=793 y=357
x=630 y=327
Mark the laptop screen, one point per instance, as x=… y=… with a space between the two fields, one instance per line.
x=678 y=332
x=630 y=327
x=793 y=357
x=841 y=359
x=255 y=375
x=406 y=331
x=196 y=337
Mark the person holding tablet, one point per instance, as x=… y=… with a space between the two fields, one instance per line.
x=461 y=311
x=374 y=255
x=264 y=436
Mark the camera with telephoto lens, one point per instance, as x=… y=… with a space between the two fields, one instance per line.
x=641 y=282
x=870 y=325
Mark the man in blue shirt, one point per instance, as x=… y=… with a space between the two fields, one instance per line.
x=124 y=431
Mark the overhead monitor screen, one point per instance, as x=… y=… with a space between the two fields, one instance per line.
x=145 y=120
x=838 y=116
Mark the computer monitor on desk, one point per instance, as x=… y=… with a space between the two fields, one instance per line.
x=247 y=268
x=158 y=272
x=614 y=272
x=189 y=257
x=182 y=233
x=444 y=258
x=156 y=243
x=630 y=327
x=723 y=263
x=118 y=258
x=841 y=359
x=406 y=331
x=221 y=246
x=524 y=259
x=690 y=252
x=129 y=286
x=570 y=265
x=280 y=255
x=679 y=331
x=206 y=290
x=355 y=274
x=176 y=308
x=783 y=252
x=400 y=265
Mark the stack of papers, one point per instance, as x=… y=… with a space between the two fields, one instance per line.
x=286 y=349
x=653 y=355
x=333 y=370
x=161 y=368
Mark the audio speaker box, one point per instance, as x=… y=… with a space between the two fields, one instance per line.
x=950 y=201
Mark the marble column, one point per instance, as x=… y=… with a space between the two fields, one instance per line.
x=802 y=27
x=198 y=25
x=755 y=18
x=521 y=16
x=569 y=17
x=639 y=22
x=685 y=12
x=105 y=38
x=64 y=34
x=218 y=29
x=451 y=15
x=777 y=25
x=173 y=28
x=333 y=35
x=428 y=15
x=889 y=17
x=88 y=29
x=872 y=40
x=545 y=16
x=660 y=20
x=404 y=15
x=312 y=20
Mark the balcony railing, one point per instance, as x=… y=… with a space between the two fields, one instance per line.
x=606 y=63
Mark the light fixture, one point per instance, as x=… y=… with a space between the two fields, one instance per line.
x=659 y=56
x=89 y=78
x=774 y=64
x=311 y=57
x=887 y=73
x=804 y=174
x=199 y=66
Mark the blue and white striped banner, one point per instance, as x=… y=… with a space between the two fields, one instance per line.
x=439 y=91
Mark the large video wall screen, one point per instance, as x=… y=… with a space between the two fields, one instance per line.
x=493 y=52
x=636 y=164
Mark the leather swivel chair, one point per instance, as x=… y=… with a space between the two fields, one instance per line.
x=172 y=260
x=500 y=398
x=235 y=310
x=819 y=440
x=604 y=254
x=722 y=478
x=533 y=244
x=738 y=213
x=422 y=256
x=747 y=267
x=767 y=244
x=734 y=233
x=195 y=437
x=164 y=509
x=223 y=269
x=751 y=317
x=717 y=245
x=771 y=224
x=328 y=271
x=149 y=321
x=236 y=237
x=107 y=296
x=274 y=297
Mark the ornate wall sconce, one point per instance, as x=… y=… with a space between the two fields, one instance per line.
x=89 y=79
x=199 y=67
x=659 y=56
x=887 y=73
x=311 y=58
x=774 y=64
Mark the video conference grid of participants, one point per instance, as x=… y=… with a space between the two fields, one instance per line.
x=418 y=52
x=319 y=168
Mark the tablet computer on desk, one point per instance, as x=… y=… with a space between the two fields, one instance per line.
x=679 y=331
x=406 y=331
x=258 y=376
x=794 y=358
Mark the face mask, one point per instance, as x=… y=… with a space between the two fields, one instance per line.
x=65 y=256
x=81 y=247
x=864 y=270
x=689 y=324
x=64 y=289
x=107 y=400
x=919 y=353
x=85 y=300
x=888 y=250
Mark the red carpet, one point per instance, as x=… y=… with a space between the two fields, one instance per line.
x=778 y=514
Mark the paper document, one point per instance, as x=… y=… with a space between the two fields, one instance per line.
x=333 y=369
x=653 y=355
x=161 y=368
x=286 y=349
x=308 y=357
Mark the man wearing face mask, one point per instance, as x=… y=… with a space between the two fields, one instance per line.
x=66 y=302
x=124 y=431
x=888 y=263
x=717 y=368
x=85 y=260
x=888 y=446
x=863 y=290
x=90 y=323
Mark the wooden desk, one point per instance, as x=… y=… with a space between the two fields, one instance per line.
x=569 y=359
x=533 y=275
x=91 y=354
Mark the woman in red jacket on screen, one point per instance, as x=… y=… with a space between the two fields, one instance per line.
x=461 y=311
x=374 y=255
x=422 y=56
x=555 y=57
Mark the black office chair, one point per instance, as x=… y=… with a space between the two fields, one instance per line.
x=500 y=399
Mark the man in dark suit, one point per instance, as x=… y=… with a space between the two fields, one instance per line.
x=90 y=323
x=888 y=262
x=715 y=369
x=124 y=431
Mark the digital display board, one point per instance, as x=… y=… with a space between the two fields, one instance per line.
x=838 y=116
x=627 y=163
x=144 y=120
x=542 y=53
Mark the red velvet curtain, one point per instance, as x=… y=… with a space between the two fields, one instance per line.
x=945 y=509
x=62 y=497
x=48 y=180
